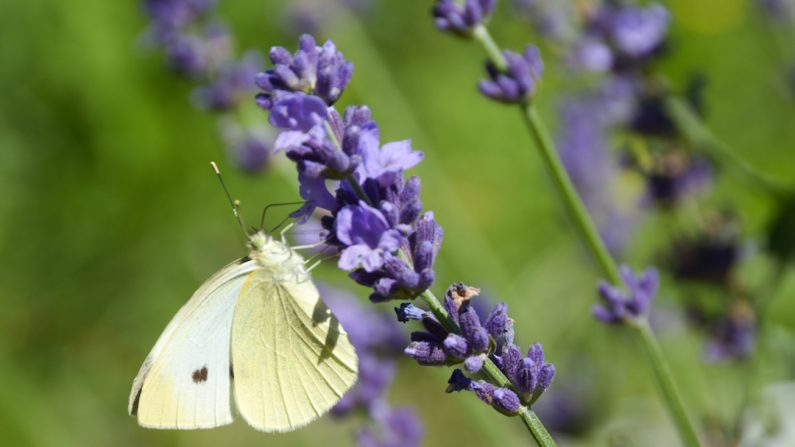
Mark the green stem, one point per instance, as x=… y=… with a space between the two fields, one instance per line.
x=597 y=247
x=665 y=380
x=535 y=426
x=570 y=197
x=481 y=34
x=695 y=131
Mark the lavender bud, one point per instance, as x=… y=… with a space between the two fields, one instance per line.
x=461 y=19
x=506 y=402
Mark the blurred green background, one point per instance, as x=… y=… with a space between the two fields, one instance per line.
x=110 y=217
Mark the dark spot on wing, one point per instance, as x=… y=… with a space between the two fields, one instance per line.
x=231 y=372
x=243 y=260
x=200 y=375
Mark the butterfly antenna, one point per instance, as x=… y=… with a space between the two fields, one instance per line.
x=235 y=204
x=272 y=205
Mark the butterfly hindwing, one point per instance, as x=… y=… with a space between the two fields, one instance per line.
x=184 y=383
x=292 y=361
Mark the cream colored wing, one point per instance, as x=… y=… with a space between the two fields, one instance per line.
x=291 y=359
x=184 y=383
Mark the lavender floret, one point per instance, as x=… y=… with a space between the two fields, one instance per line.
x=518 y=82
x=620 y=307
x=461 y=18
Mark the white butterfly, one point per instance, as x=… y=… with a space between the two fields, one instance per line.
x=259 y=324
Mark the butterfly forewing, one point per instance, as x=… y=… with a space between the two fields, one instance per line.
x=184 y=383
x=292 y=361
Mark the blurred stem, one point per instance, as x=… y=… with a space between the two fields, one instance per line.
x=694 y=130
x=584 y=223
x=665 y=379
x=570 y=197
x=597 y=247
x=481 y=34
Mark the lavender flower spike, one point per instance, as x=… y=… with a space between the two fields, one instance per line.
x=319 y=71
x=517 y=84
x=461 y=19
x=626 y=307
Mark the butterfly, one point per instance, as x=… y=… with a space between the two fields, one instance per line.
x=257 y=330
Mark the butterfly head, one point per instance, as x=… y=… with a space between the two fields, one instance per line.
x=273 y=254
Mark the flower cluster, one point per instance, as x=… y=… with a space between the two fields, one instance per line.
x=319 y=71
x=530 y=376
x=626 y=307
x=197 y=46
x=372 y=214
x=518 y=82
x=621 y=37
x=461 y=18
x=378 y=340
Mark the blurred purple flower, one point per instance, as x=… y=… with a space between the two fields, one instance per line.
x=733 y=335
x=461 y=17
x=396 y=427
x=518 y=83
x=636 y=31
x=619 y=306
x=553 y=19
x=232 y=82
x=249 y=148
x=586 y=121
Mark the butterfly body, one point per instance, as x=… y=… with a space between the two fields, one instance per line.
x=257 y=330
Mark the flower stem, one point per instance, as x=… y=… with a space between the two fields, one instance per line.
x=665 y=379
x=481 y=34
x=570 y=197
x=695 y=131
x=494 y=374
x=533 y=423
x=595 y=244
x=583 y=220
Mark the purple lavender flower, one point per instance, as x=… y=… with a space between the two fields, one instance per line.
x=552 y=19
x=375 y=376
x=624 y=307
x=518 y=82
x=307 y=141
x=393 y=157
x=396 y=427
x=250 y=148
x=461 y=18
x=501 y=399
x=232 y=82
x=368 y=330
x=319 y=71
x=367 y=237
x=530 y=375
x=733 y=335
x=586 y=121
x=399 y=280
x=591 y=54
x=377 y=339
x=637 y=32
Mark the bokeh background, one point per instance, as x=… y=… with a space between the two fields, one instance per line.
x=110 y=216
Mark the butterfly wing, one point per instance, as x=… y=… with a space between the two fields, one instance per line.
x=184 y=383
x=292 y=360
